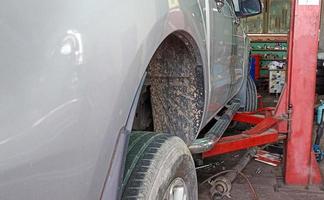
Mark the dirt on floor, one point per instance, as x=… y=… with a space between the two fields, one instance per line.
x=265 y=180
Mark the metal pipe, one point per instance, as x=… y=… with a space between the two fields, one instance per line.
x=222 y=185
x=214 y=134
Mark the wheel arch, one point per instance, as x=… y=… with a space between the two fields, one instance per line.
x=192 y=33
x=121 y=147
x=173 y=95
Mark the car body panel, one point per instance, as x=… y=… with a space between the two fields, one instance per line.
x=69 y=75
x=221 y=42
x=227 y=61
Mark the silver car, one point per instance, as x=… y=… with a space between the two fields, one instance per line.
x=105 y=99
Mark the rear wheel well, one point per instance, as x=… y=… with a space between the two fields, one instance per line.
x=172 y=98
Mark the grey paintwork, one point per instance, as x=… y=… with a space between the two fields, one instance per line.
x=68 y=79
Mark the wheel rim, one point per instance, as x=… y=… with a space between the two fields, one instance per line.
x=177 y=190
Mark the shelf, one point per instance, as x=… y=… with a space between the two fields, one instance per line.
x=265 y=68
x=282 y=50
x=276 y=69
x=275 y=38
x=276 y=59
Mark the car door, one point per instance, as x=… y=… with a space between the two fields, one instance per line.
x=221 y=54
x=239 y=50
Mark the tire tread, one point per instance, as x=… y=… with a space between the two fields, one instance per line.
x=143 y=173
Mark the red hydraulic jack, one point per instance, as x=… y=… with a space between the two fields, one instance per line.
x=292 y=119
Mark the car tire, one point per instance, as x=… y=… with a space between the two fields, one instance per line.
x=156 y=166
x=251 y=96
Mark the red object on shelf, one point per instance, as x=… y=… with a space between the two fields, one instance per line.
x=260 y=102
x=257 y=59
x=268 y=158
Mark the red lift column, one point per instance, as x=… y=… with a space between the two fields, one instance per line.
x=300 y=165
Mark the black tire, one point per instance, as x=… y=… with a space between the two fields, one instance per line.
x=251 y=96
x=153 y=162
x=251 y=104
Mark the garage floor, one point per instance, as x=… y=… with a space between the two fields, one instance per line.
x=263 y=177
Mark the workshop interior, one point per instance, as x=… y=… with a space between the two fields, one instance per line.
x=162 y=100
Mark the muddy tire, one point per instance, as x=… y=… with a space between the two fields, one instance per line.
x=251 y=96
x=251 y=104
x=177 y=91
x=157 y=164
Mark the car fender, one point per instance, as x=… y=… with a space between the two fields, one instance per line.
x=176 y=20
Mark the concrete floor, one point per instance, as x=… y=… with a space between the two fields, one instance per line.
x=264 y=178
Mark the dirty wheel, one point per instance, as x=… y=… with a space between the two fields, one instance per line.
x=251 y=96
x=251 y=104
x=159 y=167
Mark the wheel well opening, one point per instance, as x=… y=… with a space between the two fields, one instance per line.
x=172 y=98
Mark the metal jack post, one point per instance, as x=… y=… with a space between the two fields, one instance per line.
x=300 y=164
